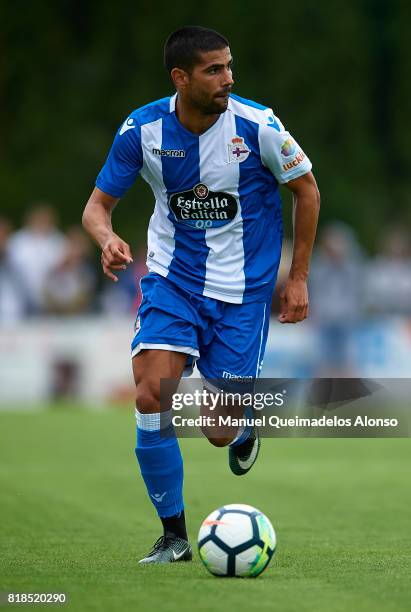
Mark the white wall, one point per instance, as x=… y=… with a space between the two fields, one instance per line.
x=100 y=348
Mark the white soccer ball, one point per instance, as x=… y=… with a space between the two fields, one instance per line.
x=236 y=540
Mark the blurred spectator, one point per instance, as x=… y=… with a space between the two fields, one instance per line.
x=124 y=296
x=69 y=286
x=388 y=286
x=13 y=298
x=336 y=288
x=34 y=251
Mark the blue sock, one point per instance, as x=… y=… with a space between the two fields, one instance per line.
x=161 y=464
x=245 y=431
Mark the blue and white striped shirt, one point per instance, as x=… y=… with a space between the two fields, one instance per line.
x=216 y=228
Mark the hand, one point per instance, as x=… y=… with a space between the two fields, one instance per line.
x=293 y=301
x=116 y=255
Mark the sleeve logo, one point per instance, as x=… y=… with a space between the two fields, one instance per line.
x=288 y=147
x=289 y=151
x=127 y=125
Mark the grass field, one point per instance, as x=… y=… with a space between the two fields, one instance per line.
x=75 y=517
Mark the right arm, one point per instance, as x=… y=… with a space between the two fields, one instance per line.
x=115 y=253
x=116 y=177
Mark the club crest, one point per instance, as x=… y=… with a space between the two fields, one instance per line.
x=238 y=151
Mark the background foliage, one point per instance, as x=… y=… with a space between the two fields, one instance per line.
x=336 y=73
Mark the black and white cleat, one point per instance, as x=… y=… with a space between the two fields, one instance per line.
x=241 y=458
x=169 y=549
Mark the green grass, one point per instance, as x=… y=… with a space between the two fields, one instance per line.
x=75 y=517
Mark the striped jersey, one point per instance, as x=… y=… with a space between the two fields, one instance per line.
x=216 y=228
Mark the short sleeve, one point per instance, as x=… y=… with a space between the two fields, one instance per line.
x=124 y=160
x=280 y=153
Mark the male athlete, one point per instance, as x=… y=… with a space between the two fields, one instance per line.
x=214 y=162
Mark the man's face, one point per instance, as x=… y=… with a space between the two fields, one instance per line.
x=209 y=83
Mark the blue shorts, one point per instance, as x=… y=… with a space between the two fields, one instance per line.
x=225 y=340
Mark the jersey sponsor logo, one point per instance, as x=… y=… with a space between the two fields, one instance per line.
x=238 y=151
x=201 y=208
x=127 y=125
x=168 y=152
x=201 y=191
x=297 y=160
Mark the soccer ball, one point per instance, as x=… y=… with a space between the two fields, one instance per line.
x=236 y=540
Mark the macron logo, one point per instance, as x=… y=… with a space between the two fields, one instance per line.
x=127 y=125
x=158 y=497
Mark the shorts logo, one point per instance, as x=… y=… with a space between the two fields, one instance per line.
x=137 y=325
x=232 y=376
x=288 y=147
x=238 y=151
x=202 y=208
x=168 y=152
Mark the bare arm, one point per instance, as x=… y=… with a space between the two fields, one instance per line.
x=294 y=297
x=115 y=253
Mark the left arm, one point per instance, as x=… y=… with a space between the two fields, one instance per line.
x=294 y=296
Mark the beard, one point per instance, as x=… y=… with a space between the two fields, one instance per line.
x=217 y=106
x=211 y=106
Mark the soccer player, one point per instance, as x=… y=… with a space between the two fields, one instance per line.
x=214 y=162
